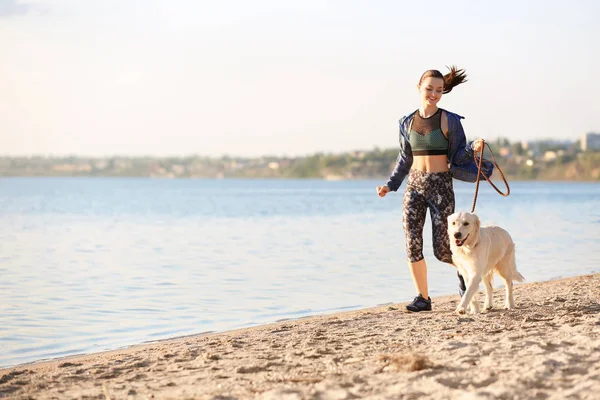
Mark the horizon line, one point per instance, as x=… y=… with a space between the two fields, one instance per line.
x=225 y=155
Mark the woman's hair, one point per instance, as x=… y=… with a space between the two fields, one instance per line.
x=453 y=78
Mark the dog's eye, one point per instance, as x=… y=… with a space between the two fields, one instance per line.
x=453 y=222
x=466 y=223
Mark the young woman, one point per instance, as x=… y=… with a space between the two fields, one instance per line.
x=433 y=150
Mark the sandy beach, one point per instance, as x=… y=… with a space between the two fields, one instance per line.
x=547 y=348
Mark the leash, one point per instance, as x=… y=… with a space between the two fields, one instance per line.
x=479 y=160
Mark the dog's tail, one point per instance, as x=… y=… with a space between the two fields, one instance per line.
x=518 y=277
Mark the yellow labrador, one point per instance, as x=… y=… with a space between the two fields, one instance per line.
x=478 y=252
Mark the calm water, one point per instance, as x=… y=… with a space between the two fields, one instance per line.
x=94 y=264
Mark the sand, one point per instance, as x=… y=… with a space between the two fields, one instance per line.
x=548 y=348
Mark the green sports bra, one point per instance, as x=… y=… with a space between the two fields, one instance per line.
x=426 y=136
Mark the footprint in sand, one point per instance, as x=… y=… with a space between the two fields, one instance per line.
x=68 y=364
x=251 y=369
x=11 y=375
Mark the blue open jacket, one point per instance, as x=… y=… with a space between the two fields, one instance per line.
x=460 y=155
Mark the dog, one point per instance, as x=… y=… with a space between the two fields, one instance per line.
x=479 y=252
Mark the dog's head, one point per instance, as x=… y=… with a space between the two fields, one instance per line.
x=463 y=228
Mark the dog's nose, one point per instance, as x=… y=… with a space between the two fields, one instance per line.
x=457 y=235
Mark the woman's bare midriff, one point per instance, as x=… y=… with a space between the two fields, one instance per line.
x=430 y=164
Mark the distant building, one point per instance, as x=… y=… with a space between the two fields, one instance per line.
x=178 y=169
x=539 y=147
x=590 y=141
x=100 y=164
x=504 y=151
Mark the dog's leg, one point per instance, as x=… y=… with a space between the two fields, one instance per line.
x=474 y=306
x=489 y=292
x=508 y=271
x=472 y=288
x=510 y=302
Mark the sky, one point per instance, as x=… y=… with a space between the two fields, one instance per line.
x=286 y=77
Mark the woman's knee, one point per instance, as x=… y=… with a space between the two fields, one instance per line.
x=443 y=254
x=441 y=243
x=414 y=256
x=414 y=248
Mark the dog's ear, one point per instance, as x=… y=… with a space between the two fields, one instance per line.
x=477 y=222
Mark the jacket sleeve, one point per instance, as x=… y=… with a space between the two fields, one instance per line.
x=403 y=161
x=461 y=153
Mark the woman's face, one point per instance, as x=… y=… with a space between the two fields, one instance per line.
x=431 y=90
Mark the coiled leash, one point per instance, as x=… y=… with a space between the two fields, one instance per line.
x=479 y=160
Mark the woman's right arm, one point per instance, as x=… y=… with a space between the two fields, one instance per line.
x=403 y=161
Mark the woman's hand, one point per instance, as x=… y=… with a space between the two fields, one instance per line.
x=382 y=190
x=477 y=146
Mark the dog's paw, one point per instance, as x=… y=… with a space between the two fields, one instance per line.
x=474 y=308
x=487 y=309
x=460 y=310
x=509 y=306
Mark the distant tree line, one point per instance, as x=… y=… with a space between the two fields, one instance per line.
x=547 y=160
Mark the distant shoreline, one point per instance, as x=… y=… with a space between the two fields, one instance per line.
x=541 y=162
x=494 y=179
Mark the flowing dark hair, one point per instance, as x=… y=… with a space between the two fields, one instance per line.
x=453 y=78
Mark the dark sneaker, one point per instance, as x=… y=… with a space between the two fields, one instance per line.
x=462 y=288
x=419 y=304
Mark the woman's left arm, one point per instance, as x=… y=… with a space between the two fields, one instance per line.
x=461 y=153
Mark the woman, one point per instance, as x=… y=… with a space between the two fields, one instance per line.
x=433 y=150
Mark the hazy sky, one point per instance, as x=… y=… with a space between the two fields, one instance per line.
x=277 y=77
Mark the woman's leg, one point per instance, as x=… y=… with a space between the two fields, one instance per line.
x=413 y=219
x=418 y=271
x=441 y=206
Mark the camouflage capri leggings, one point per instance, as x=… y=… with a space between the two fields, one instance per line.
x=434 y=191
